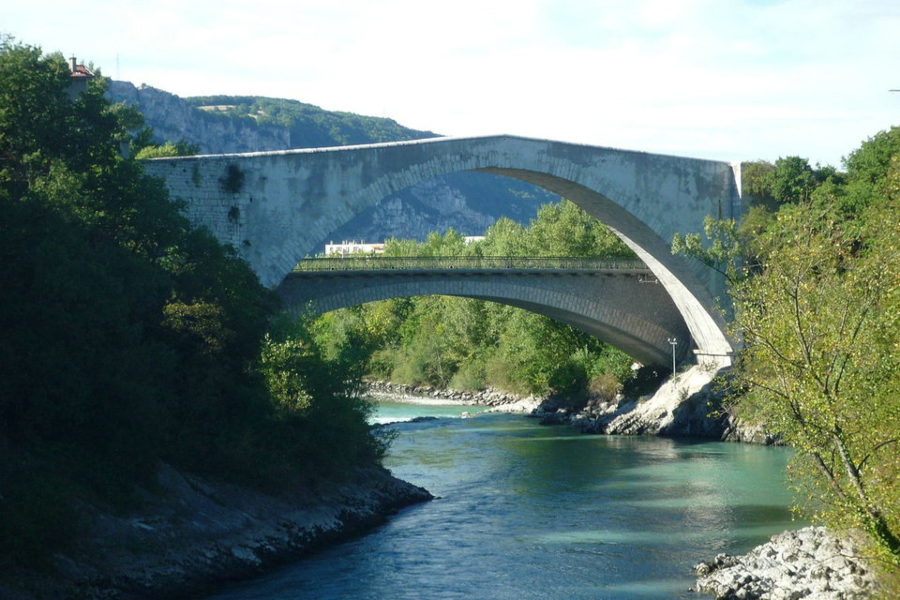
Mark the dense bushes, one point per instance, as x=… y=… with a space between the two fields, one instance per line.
x=126 y=337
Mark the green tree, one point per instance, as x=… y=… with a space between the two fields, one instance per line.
x=756 y=181
x=151 y=150
x=815 y=364
x=126 y=337
x=320 y=425
x=867 y=175
x=818 y=315
x=792 y=180
x=871 y=163
x=505 y=238
x=564 y=229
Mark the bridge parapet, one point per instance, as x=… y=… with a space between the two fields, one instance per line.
x=368 y=263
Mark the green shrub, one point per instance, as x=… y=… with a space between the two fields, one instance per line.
x=471 y=376
x=568 y=381
x=604 y=387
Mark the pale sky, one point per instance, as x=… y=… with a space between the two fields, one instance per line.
x=721 y=79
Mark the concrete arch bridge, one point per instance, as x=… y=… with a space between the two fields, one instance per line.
x=619 y=302
x=275 y=207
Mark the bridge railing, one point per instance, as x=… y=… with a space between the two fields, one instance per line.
x=373 y=263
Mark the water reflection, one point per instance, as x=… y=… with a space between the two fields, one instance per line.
x=534 y=512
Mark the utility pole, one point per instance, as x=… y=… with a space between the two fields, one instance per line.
x=674 y=342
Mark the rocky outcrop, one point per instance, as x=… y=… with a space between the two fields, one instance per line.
x=809 y=563
x=173 y=119
x=683 y=406
x=687 y=405
x=193 y=534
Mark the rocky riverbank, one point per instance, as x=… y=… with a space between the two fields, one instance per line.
x=497 y=400
x=683 y=406
x=192 y=535
x=809 y=563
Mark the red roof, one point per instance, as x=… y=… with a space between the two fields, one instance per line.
x=81 y=72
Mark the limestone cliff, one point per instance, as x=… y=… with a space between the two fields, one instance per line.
x=173 y=119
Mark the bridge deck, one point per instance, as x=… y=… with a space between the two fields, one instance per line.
x=473 y=263
x=602 y=297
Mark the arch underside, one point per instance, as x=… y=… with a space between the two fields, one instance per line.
x=699 y=309
x=641 y=350
x=618 y=323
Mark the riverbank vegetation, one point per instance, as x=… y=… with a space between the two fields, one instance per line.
x=469 y=344
x=128 y=338
x=817 y=299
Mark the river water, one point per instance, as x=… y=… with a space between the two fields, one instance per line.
x=528 y=511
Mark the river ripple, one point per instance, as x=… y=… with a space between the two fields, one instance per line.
x=525 y=511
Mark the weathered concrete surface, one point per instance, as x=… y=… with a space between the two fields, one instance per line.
x=614 y=306
x=275 y=206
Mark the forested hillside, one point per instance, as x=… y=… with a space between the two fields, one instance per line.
x=309 y=125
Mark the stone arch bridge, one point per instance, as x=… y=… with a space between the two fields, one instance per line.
x=274 y=207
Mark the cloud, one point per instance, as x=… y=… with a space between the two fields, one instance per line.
x=730 y=78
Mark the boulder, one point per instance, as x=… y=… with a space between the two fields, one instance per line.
x=810 y=563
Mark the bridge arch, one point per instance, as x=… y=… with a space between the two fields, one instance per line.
x=619 y=308
x=288 y=201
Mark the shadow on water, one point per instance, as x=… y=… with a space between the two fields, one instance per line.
x=527 y=511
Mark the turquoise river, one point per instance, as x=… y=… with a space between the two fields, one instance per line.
x=528 y=511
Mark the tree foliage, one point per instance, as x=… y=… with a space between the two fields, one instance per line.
x=470 y=344
x=127 y=337
x=816 y=363
x=152 y=150
x=817 y=309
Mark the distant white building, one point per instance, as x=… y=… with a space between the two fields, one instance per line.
x=346 y=248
